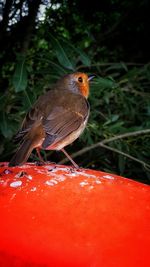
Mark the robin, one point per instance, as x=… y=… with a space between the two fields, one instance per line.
x=56 y=119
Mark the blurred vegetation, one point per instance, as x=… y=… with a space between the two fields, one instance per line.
x=41 y=40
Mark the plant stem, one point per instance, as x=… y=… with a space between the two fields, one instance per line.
x=105 y=141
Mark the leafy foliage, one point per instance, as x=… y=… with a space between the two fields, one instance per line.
x=20 y=76
x=119 y=98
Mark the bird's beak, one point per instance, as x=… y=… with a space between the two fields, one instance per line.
x=90 y=77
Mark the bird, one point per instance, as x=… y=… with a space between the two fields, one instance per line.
x=56 y=119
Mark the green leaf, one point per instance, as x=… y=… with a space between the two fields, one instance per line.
x=3 y=99
x=117 y=66
x=56 y=68
x=84 y=58
x=4 y=126
x=79 y=52
x=20 y=78
x=113 y=118
x=105 y=82
x=61 y=54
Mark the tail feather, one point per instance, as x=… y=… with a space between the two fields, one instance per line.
x=22 y=154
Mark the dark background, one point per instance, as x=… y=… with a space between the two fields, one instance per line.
x=42 y=40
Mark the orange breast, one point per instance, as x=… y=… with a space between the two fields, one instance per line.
x=84 y=88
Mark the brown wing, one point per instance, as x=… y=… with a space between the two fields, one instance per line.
x=33 y=117
x=65 y=118
x=60 y=113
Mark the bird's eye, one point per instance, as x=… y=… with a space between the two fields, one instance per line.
x=80 y=79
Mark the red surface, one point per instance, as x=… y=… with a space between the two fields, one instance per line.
x=61 y=217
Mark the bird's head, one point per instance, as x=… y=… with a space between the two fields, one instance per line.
x=76 y=82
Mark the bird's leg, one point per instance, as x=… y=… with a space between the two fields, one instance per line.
x=67 y=155
x=39 y=155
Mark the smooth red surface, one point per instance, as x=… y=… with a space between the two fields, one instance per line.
x=62 y=217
